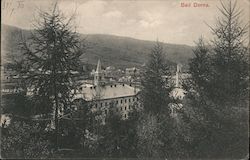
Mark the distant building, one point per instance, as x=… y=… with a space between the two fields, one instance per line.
x=132 y=71
x=106 y=96
x=10 y=81
x=177 y=78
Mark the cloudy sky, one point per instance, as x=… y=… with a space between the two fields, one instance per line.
x=164 y=20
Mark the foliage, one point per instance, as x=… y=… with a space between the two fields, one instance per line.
x=216 y=132
x=118 y=138
x=17 y=104
x=75 y=125
x=230 y=57
x=52 y=53
x=200 y=66
x=157 y=131
x=216 y=104
x=149 y=144
x=23 y=140
x=154 y=91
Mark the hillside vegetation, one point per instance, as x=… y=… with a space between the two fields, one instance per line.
x=113 y=50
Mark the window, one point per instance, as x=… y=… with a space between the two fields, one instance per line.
x=125 y=108
x=129 y=100
x=125 y=116
x=125 y=100
x=101 y=104
x=121 y=108
x=133 y=99
x=96 y=105
x=121 y=101
x=116 y=102
x=106 y=111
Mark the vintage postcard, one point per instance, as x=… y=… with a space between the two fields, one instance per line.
x=125 y=79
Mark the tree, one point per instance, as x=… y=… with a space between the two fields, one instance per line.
x=149 y=137
x=118 y=138
x=157 y=131
x=200 y=66
x=155 y=94
x=216 y=103
x=52 y=52
x=17 y=104
x=230 y=57
x=24 y=140
x=75 y=125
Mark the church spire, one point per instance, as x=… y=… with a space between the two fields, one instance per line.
x=98 y=74
x=98 y=68
x=98 y=78
x=178 y=72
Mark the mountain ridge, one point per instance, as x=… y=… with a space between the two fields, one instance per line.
x=118 y=51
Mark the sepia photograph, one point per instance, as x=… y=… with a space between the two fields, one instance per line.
x=125 y=79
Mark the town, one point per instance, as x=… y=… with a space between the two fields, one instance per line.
x=124 y=80
x=106 y=85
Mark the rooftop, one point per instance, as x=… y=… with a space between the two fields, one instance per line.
x=107 y=91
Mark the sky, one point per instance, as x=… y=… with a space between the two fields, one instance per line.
x=165 y=20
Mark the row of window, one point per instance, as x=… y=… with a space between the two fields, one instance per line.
x=128 y=100
x=123 y=108
x=125 y=100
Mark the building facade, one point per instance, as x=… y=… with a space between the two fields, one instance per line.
x=106 y=96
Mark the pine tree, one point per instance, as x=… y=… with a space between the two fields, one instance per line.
x=52 y=52
x=199 y=66
x=216 y=103
x=155 y=94
x=230 y=57
x=152 y=131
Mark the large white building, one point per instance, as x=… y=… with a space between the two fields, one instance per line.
x=105 y=96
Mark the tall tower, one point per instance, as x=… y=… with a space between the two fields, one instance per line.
x=98 y=76
x=98 y=79
x=178 y=70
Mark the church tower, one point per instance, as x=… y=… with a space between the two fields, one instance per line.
x=98 y=79
x=178 y=71
x=98 y=76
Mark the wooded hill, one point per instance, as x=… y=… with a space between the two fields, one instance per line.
x=117 y=51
